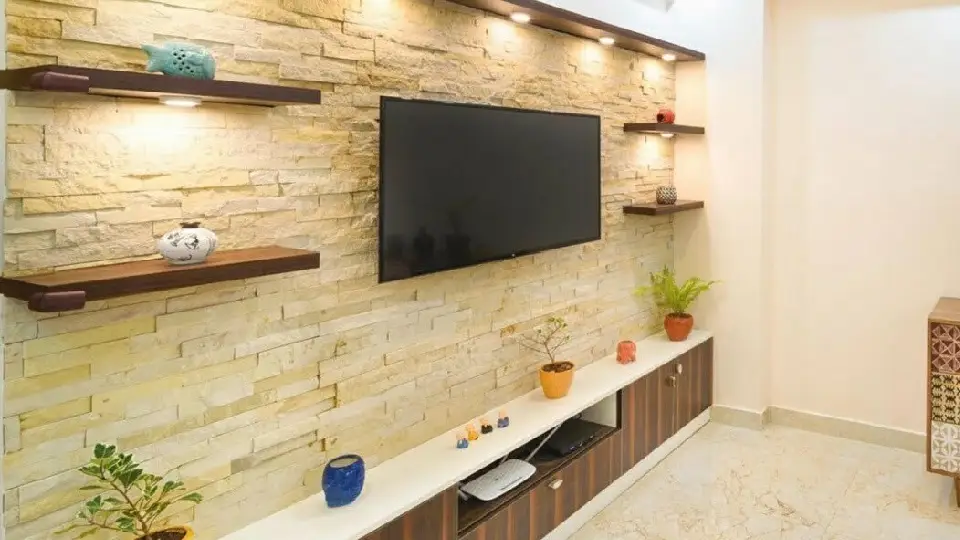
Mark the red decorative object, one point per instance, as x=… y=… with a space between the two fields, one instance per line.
x=626 y=352
x=666 y=116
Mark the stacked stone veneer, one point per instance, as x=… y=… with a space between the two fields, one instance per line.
x=240 y=388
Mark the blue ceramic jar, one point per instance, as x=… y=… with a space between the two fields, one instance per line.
x=343 y=480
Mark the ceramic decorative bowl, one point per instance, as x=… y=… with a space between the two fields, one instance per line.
x=190 y=244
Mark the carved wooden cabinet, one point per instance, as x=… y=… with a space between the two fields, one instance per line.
x=943 y=386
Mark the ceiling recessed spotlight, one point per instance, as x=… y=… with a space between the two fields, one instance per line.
x=667 y=135
x=669 y=57
x=180 y=101
x=607 y=41
x=519 y=17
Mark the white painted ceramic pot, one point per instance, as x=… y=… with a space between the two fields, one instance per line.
x=190 y=244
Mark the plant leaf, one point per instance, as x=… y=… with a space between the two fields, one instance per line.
x=193 y=497
x=89 y=532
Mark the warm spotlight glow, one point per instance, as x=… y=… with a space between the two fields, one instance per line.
x=667 y=135
x=607 y=41
x=522 y=18
x=180 y=101
x=653 y=70
x=669 y=57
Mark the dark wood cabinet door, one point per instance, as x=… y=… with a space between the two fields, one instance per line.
x=604 y=465
x=649 y=413
x=666 y=408
x=435 y=519
x=695 y=391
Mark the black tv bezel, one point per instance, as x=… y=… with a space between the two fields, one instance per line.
x=380 y=187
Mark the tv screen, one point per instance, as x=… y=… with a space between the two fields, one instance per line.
x=466 y=184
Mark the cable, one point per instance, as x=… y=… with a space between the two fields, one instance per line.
x=543 y=442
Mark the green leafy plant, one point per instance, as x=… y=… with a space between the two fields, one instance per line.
x=548 y=339
x=131 y=501
x=671 y=298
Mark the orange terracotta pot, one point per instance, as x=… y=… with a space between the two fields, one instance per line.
x=181 y=532
x=556 y=384
x=678 y=326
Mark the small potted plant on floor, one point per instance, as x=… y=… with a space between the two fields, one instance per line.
x=673 y=300
x=555 y=377
x=129 y=500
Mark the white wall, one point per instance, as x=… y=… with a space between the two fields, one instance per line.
x=866 y=202
x=726 y=168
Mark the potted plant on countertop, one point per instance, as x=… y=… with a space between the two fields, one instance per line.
x=673 y=300
x=555 y=377
x=129 y=500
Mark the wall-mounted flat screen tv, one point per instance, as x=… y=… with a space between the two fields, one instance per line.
x=466 y=184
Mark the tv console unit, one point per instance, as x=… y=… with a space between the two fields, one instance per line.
x=652 y=406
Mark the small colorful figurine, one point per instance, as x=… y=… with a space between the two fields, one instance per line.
x=462 y=441
x=472 y=433
x=504 y=420
x=485 y=427
x=626 y=352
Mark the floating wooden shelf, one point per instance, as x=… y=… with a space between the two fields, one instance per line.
x=654 y=209
x=135 y=84
x=71 y=289
x=676 y=129
x=554 y=18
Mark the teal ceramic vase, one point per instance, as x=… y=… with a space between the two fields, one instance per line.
x=181 y=60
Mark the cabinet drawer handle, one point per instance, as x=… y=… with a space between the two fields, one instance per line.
x=679 y=369
x=555 y=485
x=672 y=380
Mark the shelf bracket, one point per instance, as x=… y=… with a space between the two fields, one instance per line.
x=51 y=302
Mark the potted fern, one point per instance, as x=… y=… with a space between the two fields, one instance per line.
x=556 y=378
x=673 y=300
x=129 y=500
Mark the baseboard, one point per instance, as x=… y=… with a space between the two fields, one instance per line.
x=596 y=505
x=745 y=418
x=850 y=429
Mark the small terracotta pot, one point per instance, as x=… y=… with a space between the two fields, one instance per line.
x=678 y=326
x=556 y=384
x=181 y=532
x=626 y=352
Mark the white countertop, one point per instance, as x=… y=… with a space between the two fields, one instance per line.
x=400 y=484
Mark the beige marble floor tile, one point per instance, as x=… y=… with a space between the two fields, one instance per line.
x=729 y=483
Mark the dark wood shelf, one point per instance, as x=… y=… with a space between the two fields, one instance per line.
x=473 y=512
x=136 y=84
x=654 y=209
x=660 y=129
x=547 y=16
x=71 y=289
